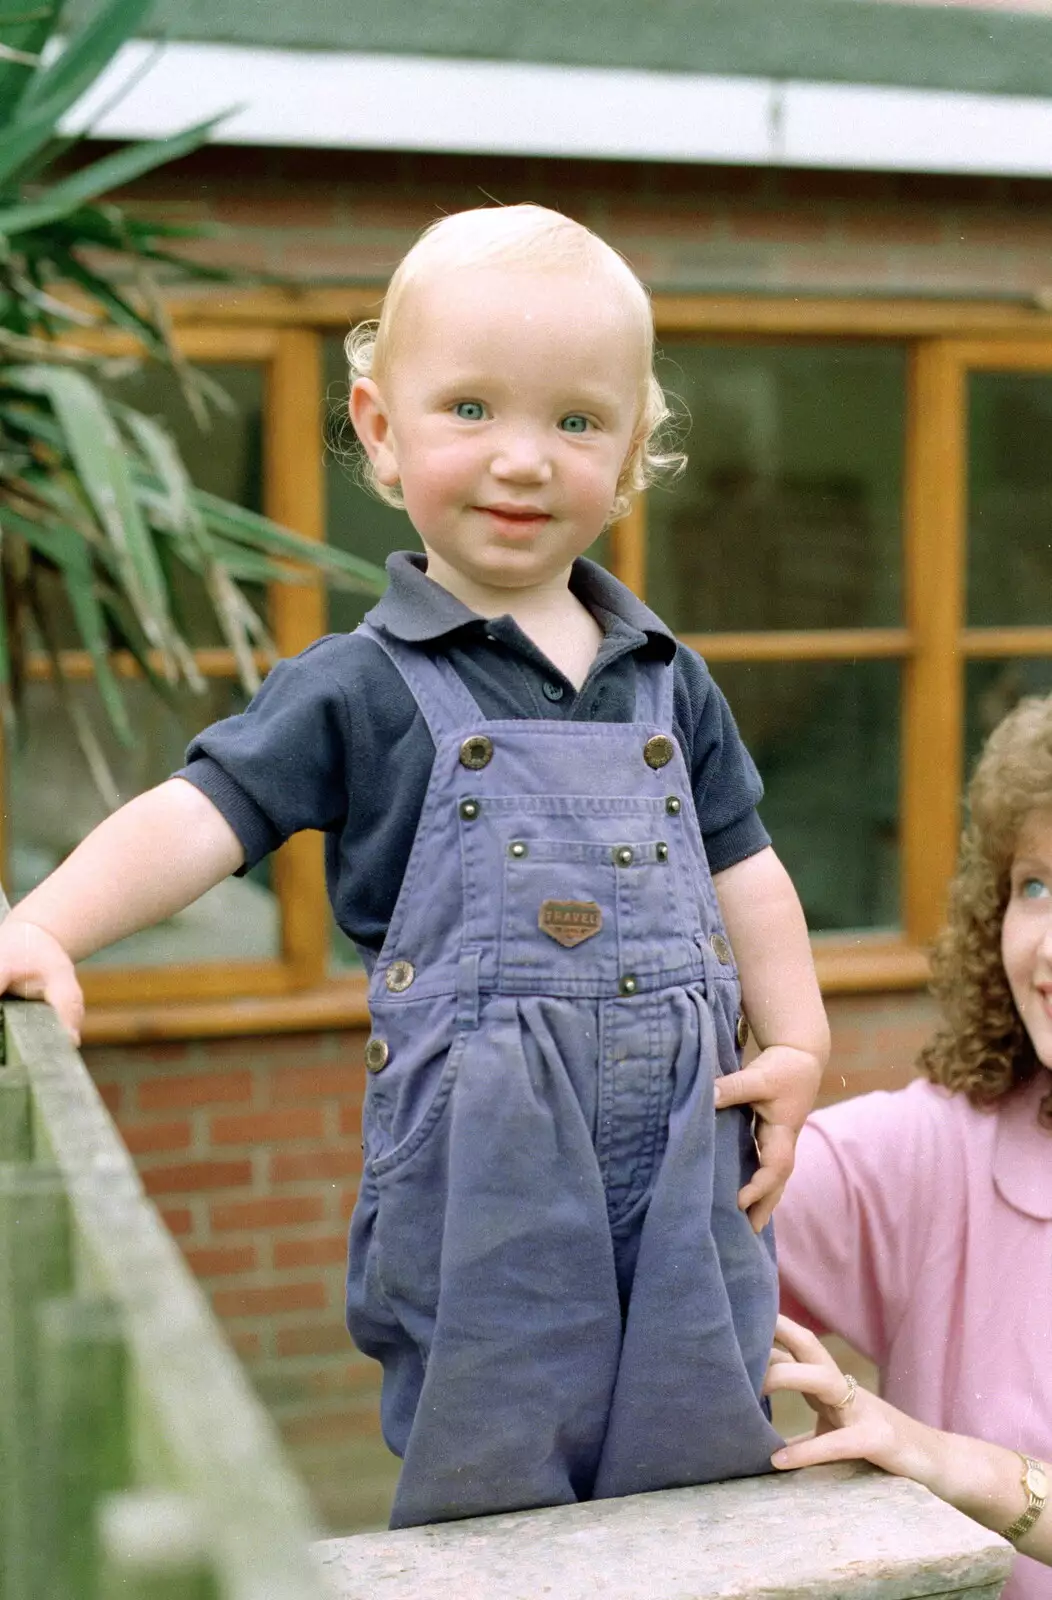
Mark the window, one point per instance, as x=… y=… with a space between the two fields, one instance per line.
x=861 y=547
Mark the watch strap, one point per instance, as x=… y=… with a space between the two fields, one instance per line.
x=1035 y=1503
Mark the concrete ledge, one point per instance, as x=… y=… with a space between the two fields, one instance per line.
x=825 y=1534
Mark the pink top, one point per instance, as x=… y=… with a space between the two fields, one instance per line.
x=920 y=1229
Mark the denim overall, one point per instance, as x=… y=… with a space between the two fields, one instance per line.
x=547 y=1254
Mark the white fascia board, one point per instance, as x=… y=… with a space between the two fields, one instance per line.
x=915 y=130
x=376 y=102
x=343 y=100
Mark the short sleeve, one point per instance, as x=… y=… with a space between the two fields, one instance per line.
x=279 y=766
x=727 y=787
x=853 y=1225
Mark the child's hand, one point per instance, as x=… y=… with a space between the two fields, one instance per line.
x=780 y=1085
x=35 y=966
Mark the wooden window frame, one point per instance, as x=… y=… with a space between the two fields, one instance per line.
x=944 y=340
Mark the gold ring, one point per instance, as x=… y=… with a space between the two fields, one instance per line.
x=852 y=1390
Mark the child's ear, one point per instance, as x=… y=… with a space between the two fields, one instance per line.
x=373 y=427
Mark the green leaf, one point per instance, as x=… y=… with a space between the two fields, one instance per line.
x=87 y=52
x=121 y=310
x=65 y=549
x=111 y=172
x=248 y=527
x=95 y=449
x=29 y=30
x=5 y=659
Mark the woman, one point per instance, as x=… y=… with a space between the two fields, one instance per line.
x=918 y=1225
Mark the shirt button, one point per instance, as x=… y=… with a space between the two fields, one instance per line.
x=552 y=691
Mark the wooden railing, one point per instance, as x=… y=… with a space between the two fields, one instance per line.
x=136 y=1464
x=135 y=1461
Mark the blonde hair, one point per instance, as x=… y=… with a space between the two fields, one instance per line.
x=982 y=1048
x=522 y=235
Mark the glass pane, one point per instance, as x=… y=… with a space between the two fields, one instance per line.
x=53 y=802
x=357 y=521
x=343 y=957
x=991 y=689
x=1009 y=498
x=225 y=459
x=789 y=512
x=825 y=736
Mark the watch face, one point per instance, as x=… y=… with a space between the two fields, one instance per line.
x=1036 y=1481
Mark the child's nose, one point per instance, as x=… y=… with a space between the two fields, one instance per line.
x=521 y=457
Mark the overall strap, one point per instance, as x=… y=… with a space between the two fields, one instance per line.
x=444 y=702
x=654 y=692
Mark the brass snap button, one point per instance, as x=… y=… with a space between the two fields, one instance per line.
x=673 y=806
x=517 y=849
x=721 y=949
x=376 y=1054
x=741 y=1031
x=469 y=810
x=657 y=752
x=476 y=752
x=628 y=984
x=399 y=976
x=662 y=850
x=623 y=855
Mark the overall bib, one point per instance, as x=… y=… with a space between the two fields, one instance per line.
x=547 y=1255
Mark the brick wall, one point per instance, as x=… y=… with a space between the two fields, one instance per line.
x=251 y=1149
x=341 y=216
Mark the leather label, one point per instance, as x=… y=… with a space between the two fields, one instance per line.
x=570 y=922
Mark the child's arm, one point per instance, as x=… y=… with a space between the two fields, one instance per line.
x=145 y=862
x=768 y=934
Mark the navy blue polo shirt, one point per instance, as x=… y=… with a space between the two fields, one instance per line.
x=334 y=739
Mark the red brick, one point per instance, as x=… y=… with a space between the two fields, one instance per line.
x=269 y=1127
x=263 y=1302
x=295 y=210
x=335 y=1081
x=141 y=1137
x=247 y=1345
x=195 y=1089
x=257 y=1048
x=329 y=1250
x=778 y=226
x=356 y=1376
x=271 y=1212
x=111 y=1095
x=177 y=1219
x=302 y=1165
x=217 y=1260
x=326 y=1425
x=312 y=1339
x=197 y=1175
x=851 y=1081
x=351 y=1120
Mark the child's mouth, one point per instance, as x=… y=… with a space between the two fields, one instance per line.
x=516 y=519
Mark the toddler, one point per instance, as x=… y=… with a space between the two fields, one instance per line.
x=542 y=837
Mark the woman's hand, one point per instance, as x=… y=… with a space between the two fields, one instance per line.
x=853 y=1424
x=983 y=1480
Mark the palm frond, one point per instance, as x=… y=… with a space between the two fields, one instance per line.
x=96 y=504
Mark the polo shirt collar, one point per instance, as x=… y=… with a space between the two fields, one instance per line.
x=417 y=610
x=1023 y=1151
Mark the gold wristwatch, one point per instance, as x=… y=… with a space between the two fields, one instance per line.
x=1035 y=1482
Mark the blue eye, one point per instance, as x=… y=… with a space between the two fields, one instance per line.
x=575 y=423
x=469 y=410
x=1033 y=888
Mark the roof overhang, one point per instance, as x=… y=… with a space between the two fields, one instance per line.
x=369 y=100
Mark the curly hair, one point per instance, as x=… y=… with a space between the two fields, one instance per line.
x=982 y=1048
x=523 y=235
